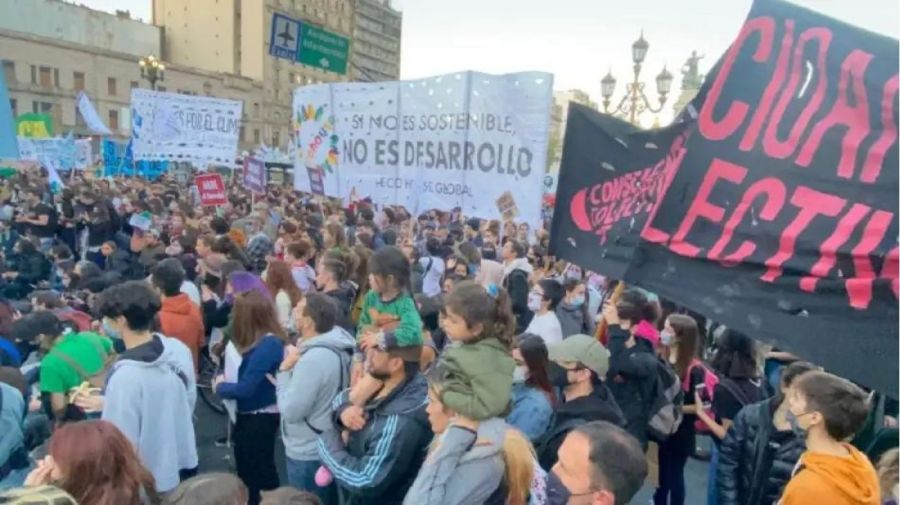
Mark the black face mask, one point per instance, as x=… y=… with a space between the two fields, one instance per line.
x=558 y=376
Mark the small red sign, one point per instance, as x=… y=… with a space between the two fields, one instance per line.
x=212 y=189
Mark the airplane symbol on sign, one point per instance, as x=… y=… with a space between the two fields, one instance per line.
x=285 y=36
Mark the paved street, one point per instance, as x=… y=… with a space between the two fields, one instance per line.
x=211 y=426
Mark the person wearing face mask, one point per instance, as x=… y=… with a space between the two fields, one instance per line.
x=572 y=312
x=543 y=300
x=310 y=376
x=827 y=411
x=68 y=360
x=760 y=452
x=579 y=364
x=599 y=464
x=533 y=397
x=151 y=389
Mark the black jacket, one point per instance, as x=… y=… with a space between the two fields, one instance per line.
x=753 y=467
x=380 y=462
x=122 y=262
x=344 y=297
x=631 y=378
x=598 y=406
x=516 y=284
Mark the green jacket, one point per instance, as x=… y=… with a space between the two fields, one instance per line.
x=479 y=379
x=407 y=325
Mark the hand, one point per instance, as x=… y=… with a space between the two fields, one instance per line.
x=218 y=380
x=10 y=275
x=291 y=356
x=34 y=405
x=89 y=403
x=611 y=314
x=353 y=418
x=698 y=404
x=41 y=475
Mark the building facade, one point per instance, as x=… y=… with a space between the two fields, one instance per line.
x=376 y=41
x=232 y=37
x=559 y=115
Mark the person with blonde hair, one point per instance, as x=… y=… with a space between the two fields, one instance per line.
x=889 y=475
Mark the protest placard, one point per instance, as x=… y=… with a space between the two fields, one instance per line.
x=255 y=175
x=211 y=189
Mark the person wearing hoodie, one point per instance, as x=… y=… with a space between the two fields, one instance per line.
x=310 y=376
x=572 y=312
x=828 y=410
x=470 y=461
x=516 y=272
x=179 y=317
x=332 y=281
x=388 y=436
x=632 y=370
x=578 y=366
x=760 y=451
x=151 y=389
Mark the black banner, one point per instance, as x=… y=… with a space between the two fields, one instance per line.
x=611 y=178
x=782 y=219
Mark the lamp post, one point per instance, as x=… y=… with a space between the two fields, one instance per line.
x=153 y=70
x=635 y=101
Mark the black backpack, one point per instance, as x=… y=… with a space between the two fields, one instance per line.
x=665 y=402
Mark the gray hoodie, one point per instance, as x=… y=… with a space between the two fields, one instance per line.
x=152 y=402
x=461 y=470
x=305 y=393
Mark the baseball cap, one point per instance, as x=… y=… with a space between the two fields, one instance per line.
x=582 y=349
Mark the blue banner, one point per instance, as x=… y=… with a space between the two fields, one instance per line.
x=118 y=160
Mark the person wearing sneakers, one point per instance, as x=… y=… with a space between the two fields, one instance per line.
x=828 y=411
x=578 y=367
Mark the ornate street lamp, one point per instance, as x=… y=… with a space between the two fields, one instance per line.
x=152 y=69
x=635 y=101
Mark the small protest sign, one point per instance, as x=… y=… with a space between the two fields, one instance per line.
x=255 y=175
x=211 y=189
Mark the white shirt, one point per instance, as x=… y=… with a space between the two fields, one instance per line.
x=547 y=327
x=190 y=289
x=431 y=282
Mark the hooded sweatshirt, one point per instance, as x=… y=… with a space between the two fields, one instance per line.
x=151 y=399
x=461 y=456
x=344 y=296
x=305 y=392
x=835 y=480
x=180 y=318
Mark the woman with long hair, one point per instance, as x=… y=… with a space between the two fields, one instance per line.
x=533 y=397
x=97 y=465
x=281 y=284
x=471 y=461
x=681 y=336
x=260 y=339
x=334 y=237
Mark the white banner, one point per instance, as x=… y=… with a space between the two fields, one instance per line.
x=89 y=113
x=175 y=127
x=84 y=154
x=457 y=140
x=56 y=151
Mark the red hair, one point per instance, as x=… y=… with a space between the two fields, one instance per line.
x=280 y=278
x=99 y=465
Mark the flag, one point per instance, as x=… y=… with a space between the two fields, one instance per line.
x=8 y=147
x=89 y=113
x=56 y=183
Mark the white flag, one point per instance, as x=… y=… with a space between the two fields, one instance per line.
x=56 y=182
x=89 y=113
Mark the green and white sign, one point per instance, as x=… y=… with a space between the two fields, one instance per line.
x=323 y=49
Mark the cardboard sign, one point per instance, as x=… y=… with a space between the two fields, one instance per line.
x=255 y=175
x=211 y=189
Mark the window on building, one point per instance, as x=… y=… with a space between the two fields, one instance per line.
x=41 y=107
x=256 y=136
x=14 y=105
x=56 y=77
x=45 y=77
x=276 y=138
x=9 y=68
x=134 y=84
x=113 y=120
x=111 y=86
x=34 y=75
x=78 y=81
x=241 y=134
x=79 y=119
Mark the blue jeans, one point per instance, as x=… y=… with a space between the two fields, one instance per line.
x=302 y=475
x=712 y=497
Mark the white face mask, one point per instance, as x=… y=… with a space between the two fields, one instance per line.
x=519 y=374
x=534 y=302
x=666 y=337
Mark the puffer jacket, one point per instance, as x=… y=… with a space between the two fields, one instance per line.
x=380 y=462
x=753 y=469
x=631 y=378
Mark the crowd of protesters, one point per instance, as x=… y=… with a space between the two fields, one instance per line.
x=425 y=359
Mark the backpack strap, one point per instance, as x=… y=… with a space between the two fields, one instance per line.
x=72 y=363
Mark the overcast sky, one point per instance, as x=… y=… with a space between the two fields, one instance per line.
x=576 y=40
